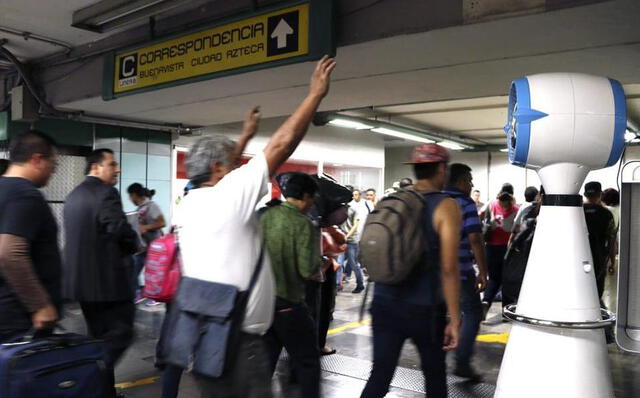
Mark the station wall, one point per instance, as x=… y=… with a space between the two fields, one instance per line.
x=144 y=157
x=353 y=157
x=491 y=169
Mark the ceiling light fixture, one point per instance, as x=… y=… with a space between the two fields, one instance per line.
x=400 y=134
x=350 y=124
x=388 y=129
x=107 y=15
x=451 y=145
x=504 y=150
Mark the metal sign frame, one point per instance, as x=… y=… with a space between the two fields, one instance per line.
x=321 y=42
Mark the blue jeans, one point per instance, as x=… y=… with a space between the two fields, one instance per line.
x=172 y=374
x=342 y=260
x=471 y=309
x=138 y=265
x=351 y=263
x=393 y=323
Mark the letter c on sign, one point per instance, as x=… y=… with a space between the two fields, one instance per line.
x=128 y=66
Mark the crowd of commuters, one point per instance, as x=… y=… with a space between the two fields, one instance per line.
x=288 y=262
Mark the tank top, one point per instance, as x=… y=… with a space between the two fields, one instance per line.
x=422 y=287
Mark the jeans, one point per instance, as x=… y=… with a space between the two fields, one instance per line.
x=138 y=265
x=495 y=261
x=294 y=329
x=249 y=377
x=342 y=261
x=393 y=323
x=171 y=374
x=471 y=309
x=351 y=263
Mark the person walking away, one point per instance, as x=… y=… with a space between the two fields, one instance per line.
x=499 y=218
x=334 y=244
x=220 y=240
x=611 y=198
x=531 y=196
x=602 y=232
x=150 y=224
x=30 y=266
x=406 y=183
x=459 y=185
x=172 y=374
x=292 y=243
x=97 y=254
x=417 y=307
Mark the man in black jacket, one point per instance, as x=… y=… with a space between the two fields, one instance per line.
x=99 y=245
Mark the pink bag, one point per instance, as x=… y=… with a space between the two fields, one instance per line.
x=162 y=270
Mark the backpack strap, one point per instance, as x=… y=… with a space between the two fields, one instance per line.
x=257 y=269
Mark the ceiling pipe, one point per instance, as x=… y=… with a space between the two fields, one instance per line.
x=48 y=110
x=33 y=36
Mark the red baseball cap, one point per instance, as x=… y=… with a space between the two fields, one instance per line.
x=429 y=153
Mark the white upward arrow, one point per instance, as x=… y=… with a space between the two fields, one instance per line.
x=281 y=32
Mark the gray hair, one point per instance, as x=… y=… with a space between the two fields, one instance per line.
x=205 y=152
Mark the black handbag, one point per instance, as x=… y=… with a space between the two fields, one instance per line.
x=205 y=323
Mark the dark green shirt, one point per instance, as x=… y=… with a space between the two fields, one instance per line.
x=293 y=245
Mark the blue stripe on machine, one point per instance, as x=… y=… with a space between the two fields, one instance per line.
x=620 y=106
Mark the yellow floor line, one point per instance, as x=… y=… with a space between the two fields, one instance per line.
x=350 y=325
x=138 y=383
x=493 y=338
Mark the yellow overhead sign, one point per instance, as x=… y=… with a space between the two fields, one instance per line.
x=249 y=42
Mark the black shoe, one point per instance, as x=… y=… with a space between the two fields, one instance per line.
x=467 y=372
x=358 y=289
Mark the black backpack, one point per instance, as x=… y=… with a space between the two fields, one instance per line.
x=392 y=241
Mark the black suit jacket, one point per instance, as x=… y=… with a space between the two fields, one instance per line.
x=99 y=244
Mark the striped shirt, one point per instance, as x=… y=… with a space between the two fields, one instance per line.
x=470 y=224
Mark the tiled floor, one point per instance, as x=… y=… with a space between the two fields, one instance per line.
x=343 y=375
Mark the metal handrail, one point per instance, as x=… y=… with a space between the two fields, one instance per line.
x=608 y=318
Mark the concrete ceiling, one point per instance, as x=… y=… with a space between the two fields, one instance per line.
x=43 y=18
x=474 y=61
x=454 y=80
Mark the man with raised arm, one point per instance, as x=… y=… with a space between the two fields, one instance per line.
x=219 y=232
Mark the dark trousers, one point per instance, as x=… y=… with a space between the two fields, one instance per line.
x=471 y=308
x=111 y=321
x=313 y=298
x=171 y=374
x=249 y=377
x=138 y=265
x=294 y=329
x=495 y=262
x=393 y=323
x=327 y=305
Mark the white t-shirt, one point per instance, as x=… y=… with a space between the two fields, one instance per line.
x=362 y=209
x=220 y=238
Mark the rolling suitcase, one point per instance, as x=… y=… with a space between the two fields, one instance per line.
x=58 y=366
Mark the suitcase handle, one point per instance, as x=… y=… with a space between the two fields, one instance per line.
x=33 y=333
